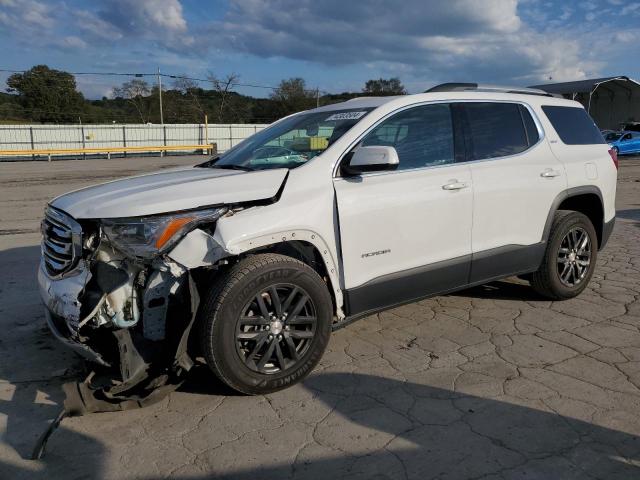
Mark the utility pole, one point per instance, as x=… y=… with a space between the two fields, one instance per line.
x=317 y=97
x=160 y=96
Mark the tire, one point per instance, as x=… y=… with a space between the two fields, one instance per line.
x=567 y=266
x=237 y=339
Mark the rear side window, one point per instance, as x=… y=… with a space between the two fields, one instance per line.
x=498 y=129
x=574 y=125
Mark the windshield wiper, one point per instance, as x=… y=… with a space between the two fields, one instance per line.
x=232 y=167
x=208 y=163
x=211 y=163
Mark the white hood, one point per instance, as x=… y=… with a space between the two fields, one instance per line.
x=170 y=191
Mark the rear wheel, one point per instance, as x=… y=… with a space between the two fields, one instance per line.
x=266 y=323
x=570 y=257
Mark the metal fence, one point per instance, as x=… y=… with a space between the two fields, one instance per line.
x=79 y=137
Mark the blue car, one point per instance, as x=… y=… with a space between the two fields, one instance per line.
x=624 y=142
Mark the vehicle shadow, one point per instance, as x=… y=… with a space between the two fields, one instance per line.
x=378 y=427
x=32 y=371
x=502 y=290
x=629 y=214
x=386 y=428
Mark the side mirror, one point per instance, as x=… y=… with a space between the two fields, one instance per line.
x=372 y=159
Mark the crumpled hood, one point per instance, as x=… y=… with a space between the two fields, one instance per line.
x=170 y=191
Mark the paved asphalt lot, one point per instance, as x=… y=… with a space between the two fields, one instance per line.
x=492 y=382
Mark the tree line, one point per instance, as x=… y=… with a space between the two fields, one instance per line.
x=46 y=95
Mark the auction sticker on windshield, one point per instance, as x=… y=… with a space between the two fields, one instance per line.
x=346 y=116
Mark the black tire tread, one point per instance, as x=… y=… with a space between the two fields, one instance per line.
x=541 y=279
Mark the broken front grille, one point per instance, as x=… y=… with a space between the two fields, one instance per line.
x=61 y=242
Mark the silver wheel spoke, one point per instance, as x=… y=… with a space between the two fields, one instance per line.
x=565 y=272
x=253 y=321
x=584 y=240
x=301 y=334
x=262 y=306
x=267 y=355
x=296 y=310
x=574 y=256
x=301 y=320
x=275 y=300
x=252 y=335
x=280 y=356
x=256 y=350
x=289 y=300
x=291 y=347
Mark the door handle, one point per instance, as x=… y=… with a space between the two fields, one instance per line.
x=454 y=185
x=550 y=173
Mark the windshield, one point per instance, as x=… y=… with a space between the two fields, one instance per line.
x=291 y=142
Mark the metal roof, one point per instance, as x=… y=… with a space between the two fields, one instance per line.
x=582 y=86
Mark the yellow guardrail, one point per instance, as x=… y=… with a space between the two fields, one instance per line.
x=108 y=150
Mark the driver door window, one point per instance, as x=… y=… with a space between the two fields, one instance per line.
x=422 y=136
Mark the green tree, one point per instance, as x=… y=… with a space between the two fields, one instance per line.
x=46 y=94
x=292 y=96
x=384 y=87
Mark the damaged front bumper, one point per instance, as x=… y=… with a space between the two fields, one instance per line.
x=60 y=330
x=62 y=309
x=131 y=318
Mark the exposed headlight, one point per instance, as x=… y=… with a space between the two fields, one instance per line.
x=146 y=237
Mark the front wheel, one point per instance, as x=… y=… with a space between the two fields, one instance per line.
x=266 y=323
x=570 y=257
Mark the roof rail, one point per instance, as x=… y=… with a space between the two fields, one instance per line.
x=465 y=87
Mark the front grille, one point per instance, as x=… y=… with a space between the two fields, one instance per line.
x=61 y=242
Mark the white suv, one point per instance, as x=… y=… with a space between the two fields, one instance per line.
x=329 y=215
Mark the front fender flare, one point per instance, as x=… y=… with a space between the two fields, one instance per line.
x=199 y=248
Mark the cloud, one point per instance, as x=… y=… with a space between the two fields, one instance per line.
x=423 y=41
x=632 y=8
x=456 y=39
x=96 y=27
x=26 y=13
x=159 y=20
x=72 y=42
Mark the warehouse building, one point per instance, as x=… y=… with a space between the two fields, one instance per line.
x=611 y=101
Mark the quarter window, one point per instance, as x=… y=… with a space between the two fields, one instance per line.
x=422 y=136
x=574 y=125
x=498 y=129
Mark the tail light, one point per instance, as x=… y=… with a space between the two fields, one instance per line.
x=614 y=157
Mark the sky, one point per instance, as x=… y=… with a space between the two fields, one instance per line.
x=335 y=45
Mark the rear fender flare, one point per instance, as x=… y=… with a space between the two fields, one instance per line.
x=561 y=197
